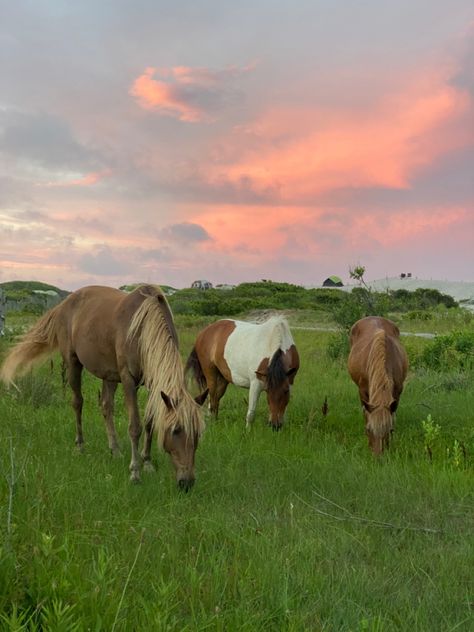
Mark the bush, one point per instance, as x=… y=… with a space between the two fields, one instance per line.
x=452 y=351
x=338 y=346
x=358 y=304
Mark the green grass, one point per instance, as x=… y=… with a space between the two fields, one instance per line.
x=297 y=530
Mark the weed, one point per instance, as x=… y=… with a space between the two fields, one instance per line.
x=431 y=432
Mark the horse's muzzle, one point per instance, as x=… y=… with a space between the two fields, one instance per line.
x=276 y=427
x=185 y=484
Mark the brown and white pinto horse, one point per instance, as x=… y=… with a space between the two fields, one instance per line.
x=254 y=356
x=378 y=364
x=128 y=338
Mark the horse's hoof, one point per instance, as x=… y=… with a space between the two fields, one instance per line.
x=148 y=467
x=185 y=485
x=135 y=478
x=116 y=453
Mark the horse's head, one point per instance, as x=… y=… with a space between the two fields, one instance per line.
x=181 y=437
x=277 y=381
x=379 y=421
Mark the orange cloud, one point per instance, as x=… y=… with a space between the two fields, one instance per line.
x=301 y=152
x=254 y=231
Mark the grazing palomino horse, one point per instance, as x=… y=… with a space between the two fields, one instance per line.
x=255 y=356
x=128 y=338
x=378 y=364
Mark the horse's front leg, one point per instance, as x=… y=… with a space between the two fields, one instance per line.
x=146 y=452
x=134 y=426
x=107 y=406
x=254 y=392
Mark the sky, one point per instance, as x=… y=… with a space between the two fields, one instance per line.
x=233 y=141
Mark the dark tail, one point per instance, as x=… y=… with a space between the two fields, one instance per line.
x=39 y=342
x=194 y=365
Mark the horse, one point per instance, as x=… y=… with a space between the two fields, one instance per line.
x=255 y=356
x=127 y=338
x=378 y=364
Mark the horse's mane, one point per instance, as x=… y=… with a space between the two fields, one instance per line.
x=153 y=329
x=380 y=384
x=276 y=372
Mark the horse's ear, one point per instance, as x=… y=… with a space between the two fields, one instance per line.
x=200 y=399
x=167 y=400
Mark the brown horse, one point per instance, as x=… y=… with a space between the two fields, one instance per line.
x=128 y=338
x=255 y=356
x=378 y=364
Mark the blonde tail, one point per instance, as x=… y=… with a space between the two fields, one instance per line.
x=39 y=342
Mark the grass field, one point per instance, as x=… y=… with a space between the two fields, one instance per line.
x=297 y=530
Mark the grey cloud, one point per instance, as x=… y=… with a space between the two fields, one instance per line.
x=186 y=232
x=155 y=254
x=103 y=262
x=464 y=78
x=43 y=139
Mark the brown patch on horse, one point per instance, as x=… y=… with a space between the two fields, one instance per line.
x=378 y=364
x=292 y=362
x=262 y=369
x=207 y=363
x=285 y=363
x=210 y=344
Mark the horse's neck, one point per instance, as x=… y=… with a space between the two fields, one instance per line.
x=279 y=336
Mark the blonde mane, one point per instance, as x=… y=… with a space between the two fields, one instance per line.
x=153 y=329
x=280 y=332
x=380 y=384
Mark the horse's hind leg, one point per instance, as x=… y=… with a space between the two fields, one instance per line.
x=107 y=406
x=220 y=387
x=146 y=452
x=216 y=384
x=75 y=381
x=134 y=425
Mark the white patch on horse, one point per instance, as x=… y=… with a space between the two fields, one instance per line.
x=250 y=343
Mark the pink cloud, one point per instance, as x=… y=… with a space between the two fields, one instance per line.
x=300 y=152
x=183 y=92
x=155 y=94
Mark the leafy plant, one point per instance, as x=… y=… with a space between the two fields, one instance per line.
x=431 y=432
x=451 y=351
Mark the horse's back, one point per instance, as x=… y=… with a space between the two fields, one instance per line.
x=365 y=328
x=250 y=346
x=363 y=334
x=95 y=325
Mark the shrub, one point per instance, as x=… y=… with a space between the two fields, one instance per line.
x=338 y=346
x=452 y=351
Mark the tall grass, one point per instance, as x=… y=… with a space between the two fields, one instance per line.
x=297 y=530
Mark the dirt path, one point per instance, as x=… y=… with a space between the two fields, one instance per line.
x=334 y=330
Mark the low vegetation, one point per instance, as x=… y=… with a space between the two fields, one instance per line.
x=297 y=530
